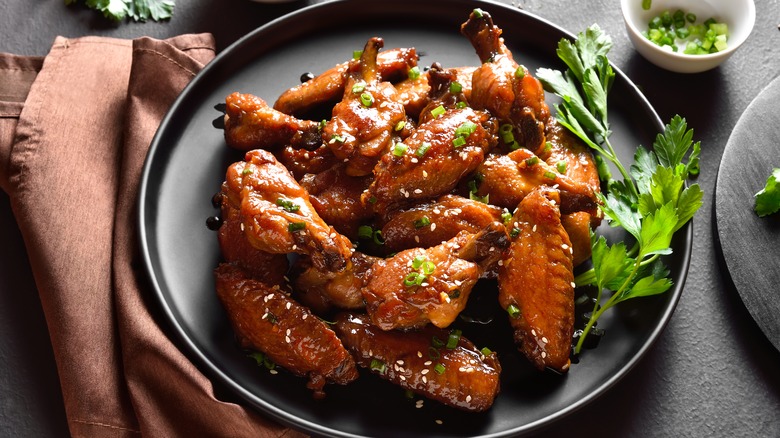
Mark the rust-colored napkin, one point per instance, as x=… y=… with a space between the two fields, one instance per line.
x=75 y=127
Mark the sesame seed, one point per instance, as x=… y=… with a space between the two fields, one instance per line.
x=242 y=226
x=273 y=371
x=437 y=211
x=294 y=247
x=402 y=378
x=417 y=239
x=565 y=246
x=544 y=339
x=419 y=354
x=424 y=379
x=427 y=363
x=288 y=332
x=417 y=191
x=462 y=369
x=265 y=315
x=439 y=422
x=425 y=371
x=468 y=398
x=306 y=155
x=288 y=305
x=305 y=315
x=414 y=160
x=425 y=174
x=332 y=235
x=491 y=249
x=534 y=228
x=287 y=339
x=533 y=332
x=433 y=226
x=500 y=263
x=399 y=362
x=544 y=354
x=573 y=284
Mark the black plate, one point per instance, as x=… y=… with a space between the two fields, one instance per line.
x=750 y=244
x=187 y=163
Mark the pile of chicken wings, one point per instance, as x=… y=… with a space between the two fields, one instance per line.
x=357 y=240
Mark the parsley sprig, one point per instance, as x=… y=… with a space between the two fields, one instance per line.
x=651 y=201
x=768 y=198
x=138 y=10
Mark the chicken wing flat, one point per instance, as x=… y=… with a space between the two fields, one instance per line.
x=277 y=215
x=578 y=226
x=507 y=179
x=335 y=196
x=536 y=283
x=413 y=92
x=504 y=87
x=235 y=248
x=432 y=160
x=420 y=286
x=251 y=124
x=328 y=87
x=302 y=161
x=364 y=122
x=431 y=223
x=461 y=377
x=267 y=320
x=324 y=290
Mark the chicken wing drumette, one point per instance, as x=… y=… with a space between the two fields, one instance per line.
x=251 y=124
x=536 y=283
x=420 y=286
x=461 y=376
x=323 y=290
x=277 y=216
x=502 y=86
x=267 y=320
x=328 y=87
x=364 y=123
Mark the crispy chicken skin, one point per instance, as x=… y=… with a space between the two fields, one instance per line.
x=363 y=124
x=336 y=197
x=392 y=65
x=414 y=176
x=469 y=380
x=537 y=279
x=323 y=291
x=277 y=215
x=446 y=273
x=431 y=223
x=251 y=124
x=507 y=179
x=504 y=87
x=266 y=319
x=235 y=248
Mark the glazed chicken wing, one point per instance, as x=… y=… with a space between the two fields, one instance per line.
x=335 y=196
x=323 y=290
x=507 y=179
x=265 y=319
x=461 y=377
x=504 y=87
x=302 y=161
x=251 y=124
x=418 y=286
x=364 y=122
x=392 y=65
x=536 y=283
x=432 y=160
x=277 y=215
x=431 y=223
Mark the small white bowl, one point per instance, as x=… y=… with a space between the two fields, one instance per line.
x=739 y=15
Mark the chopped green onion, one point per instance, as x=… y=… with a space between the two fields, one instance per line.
x=356 y=54
x=549 y=175
x=547 y=146
x=414 y=73
x=411 y=279
x=428 y=267
x=378 y=366
x=322 y=124
x=246 y=171
x=453 y=339
x=513 y=311
x=400 y=125
x=438 y=111
x=458 y=142
x=422 y=222
x=561 y=166
x=520 y=72
x=514 y=233
x=372 y=200
x=417 y=262
x=422 y=149
x=296 y=226
x=366 y=99
x=439 y=368
x=337 y=138
x=483 y=199
x=466 y=129
x=365 y=232
x=478 y=13
x=433 y=353
x=455 y=87
x=506 y=216
x=436 y=342
x=486 y=351
x=461 y=104
x=531 y=161
x=646 y=4
x=378 y=239
x=399 y=149
x=288 y=205
x=359 y=87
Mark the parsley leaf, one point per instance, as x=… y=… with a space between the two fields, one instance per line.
x=651 y=202
x=768 y=198
x=138 y=10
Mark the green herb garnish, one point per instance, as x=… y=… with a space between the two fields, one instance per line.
x=138 y=10
x=768 y=198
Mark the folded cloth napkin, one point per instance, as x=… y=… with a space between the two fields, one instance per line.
x=75 y=127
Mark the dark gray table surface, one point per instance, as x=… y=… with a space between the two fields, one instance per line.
x=711 y=373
